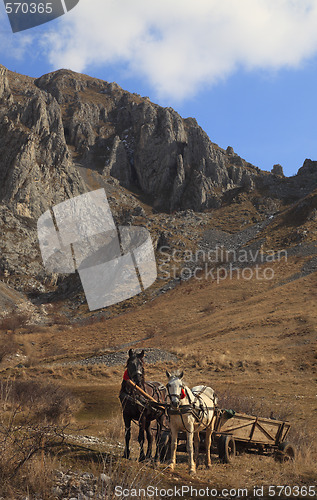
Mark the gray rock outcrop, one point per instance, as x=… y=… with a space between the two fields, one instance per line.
x=64 y=134
x=144 y=145
x=277 y=170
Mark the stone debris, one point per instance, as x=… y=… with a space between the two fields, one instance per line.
x=80 y=486
x=152 y=355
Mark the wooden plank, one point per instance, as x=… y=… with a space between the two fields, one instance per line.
x=141 y=391
x=265 y=431
x=235 y=427
x=253 y=429
x=279 y=433
x=261 y=419
x=240 y=426
x=287 y=428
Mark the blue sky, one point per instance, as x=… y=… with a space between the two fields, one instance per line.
x=245 y=69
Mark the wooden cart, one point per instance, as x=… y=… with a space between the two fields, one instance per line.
x=237 y=432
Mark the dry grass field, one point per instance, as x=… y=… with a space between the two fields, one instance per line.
x=253 y=341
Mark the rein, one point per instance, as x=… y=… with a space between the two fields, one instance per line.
x=141 y=399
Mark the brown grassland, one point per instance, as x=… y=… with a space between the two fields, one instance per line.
x=253 y=341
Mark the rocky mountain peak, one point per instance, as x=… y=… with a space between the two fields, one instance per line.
x=65 y=133
x=309 y=168
x=144 y=145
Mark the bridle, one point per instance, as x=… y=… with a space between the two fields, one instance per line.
x=197 y=412
x=183 y=393
x=135 y=373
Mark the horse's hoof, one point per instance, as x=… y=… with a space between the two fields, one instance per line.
x=171 y=467
x=192 y=471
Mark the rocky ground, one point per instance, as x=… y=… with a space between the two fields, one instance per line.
x=120 y=358
x=80 y=486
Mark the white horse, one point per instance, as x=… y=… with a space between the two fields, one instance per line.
x=192 y=410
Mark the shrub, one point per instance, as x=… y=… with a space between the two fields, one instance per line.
x=14 y=320
x=42 y=401
x=8 y=345
x=33 y=420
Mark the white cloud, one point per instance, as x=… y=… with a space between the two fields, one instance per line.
x=178 y=45
x=16 y=47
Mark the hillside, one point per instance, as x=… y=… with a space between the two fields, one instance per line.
x=65 y=134
x=234 y=304
x=253 y=341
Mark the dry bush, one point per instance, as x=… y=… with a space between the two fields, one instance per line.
x=8 y=345
x=114 y=431
x=250 y=406
x=42 y=401
x=129 y=476
x=21 y=441
x=35 y=480
x=14 y=320
x=40 y=475
x=33 y=420
x=304 y=441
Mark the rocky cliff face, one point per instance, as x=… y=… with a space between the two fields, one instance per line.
x=64 y=134
x=144 y=145
x=63 y=118
x=35 y=166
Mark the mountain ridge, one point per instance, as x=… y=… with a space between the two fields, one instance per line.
x=65 y=133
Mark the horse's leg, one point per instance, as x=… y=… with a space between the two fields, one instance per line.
x=174 y=435
x=190 y=446
x=196 y=445
x=158 y=440
x=149 y=438
x=141 y=438
x=127 y=425
x=208 y=445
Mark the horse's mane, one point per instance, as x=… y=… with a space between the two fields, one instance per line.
x=143 y=371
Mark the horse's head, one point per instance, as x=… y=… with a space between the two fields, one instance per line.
x=175 y=388
x=135 y=367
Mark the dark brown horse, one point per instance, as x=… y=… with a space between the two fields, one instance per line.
x=136 y=407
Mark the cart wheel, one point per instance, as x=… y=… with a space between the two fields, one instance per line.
x=285 y=452
x=164 y=445
x=226 y=448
